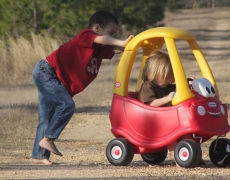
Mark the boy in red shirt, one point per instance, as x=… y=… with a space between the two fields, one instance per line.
x=66 y=72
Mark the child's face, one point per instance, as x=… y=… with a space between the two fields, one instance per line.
x=109 y=30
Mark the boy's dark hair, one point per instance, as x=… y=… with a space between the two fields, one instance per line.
x=103 y=18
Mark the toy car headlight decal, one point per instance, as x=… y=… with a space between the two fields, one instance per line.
x=222 y=109
x=201 y=110
x=204 y=87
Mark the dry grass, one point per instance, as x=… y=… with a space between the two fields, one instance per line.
x=18 y=56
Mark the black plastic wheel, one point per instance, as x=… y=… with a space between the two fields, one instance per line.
x=155 y=158
x=188 y=153
x=218 y=151
x=119 y=152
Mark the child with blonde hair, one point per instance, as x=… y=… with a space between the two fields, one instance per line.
x=158 y=87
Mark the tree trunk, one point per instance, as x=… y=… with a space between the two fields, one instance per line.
x=213 y=4
x=35 y=23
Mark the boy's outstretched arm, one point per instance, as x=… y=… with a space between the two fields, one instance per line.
x=109 y=40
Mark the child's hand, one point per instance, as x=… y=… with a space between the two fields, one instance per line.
x=190 y=79
x=170 y=96
x=127 y=40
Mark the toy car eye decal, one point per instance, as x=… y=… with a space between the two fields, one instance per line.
x=204 y=87
x=213 y=90
x=207 y=90
x=201 y=110
x=210 y=91
x=222 y=110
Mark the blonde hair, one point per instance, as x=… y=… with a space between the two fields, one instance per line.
x=158 y=66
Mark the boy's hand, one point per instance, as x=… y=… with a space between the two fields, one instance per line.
x=127 y=40
x=119 y=49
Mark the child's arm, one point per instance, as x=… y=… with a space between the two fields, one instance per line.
x=162 y=101
x=118 y=49
x=109 y=40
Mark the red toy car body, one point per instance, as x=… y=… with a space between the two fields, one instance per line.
x=150 y=128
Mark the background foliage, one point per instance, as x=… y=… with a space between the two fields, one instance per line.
x=64 y=18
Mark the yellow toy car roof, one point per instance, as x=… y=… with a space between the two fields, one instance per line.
x=155 y=38
x=162 y=32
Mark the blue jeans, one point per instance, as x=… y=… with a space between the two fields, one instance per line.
x=55 y=107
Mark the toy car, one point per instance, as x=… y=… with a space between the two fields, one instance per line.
x=142 y=129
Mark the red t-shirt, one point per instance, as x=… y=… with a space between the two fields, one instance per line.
x=77 y=62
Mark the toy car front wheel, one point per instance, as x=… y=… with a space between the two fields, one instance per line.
x=119 y=152
x=187 y=153
x=155 y=158
x=219 y=152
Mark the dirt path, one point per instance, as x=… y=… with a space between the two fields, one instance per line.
x=85 y=138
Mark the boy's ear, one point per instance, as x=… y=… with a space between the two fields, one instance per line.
x=96 y=28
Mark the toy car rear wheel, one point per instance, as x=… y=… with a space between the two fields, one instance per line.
x=155 y=158
x=218 y=151
x=119 y=152
x=187 y=153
